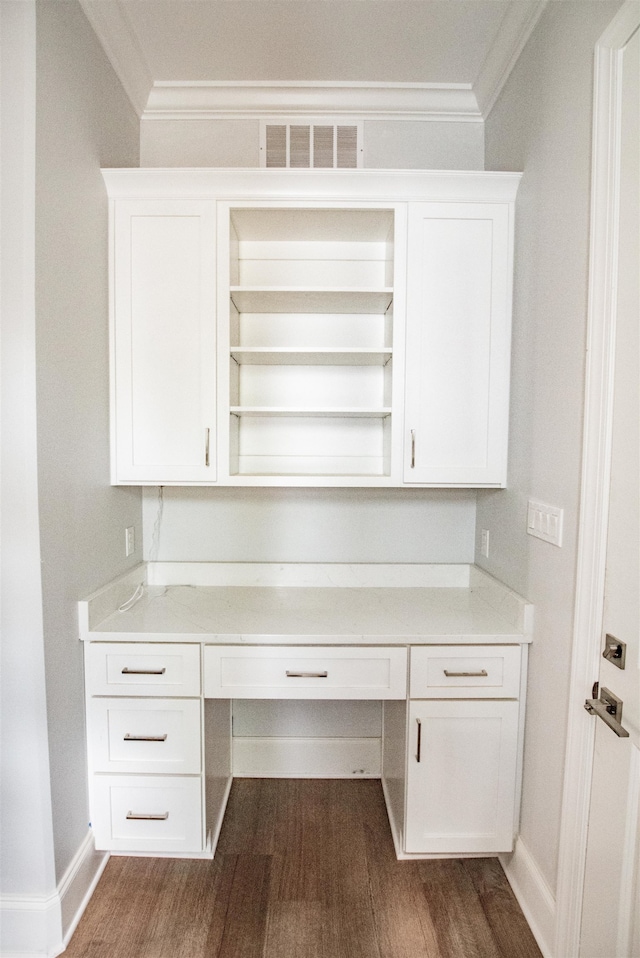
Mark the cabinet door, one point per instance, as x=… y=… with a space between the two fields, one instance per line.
x=163 y=341
x=458 y=343
x=461 y=776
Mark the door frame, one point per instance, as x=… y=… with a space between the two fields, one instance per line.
x=596 y=468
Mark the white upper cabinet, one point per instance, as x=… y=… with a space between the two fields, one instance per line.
x=163 y=341
x=273 y=327
x=458 y=343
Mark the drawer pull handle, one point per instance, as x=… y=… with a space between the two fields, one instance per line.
x=128 y=671
x=147 y=817
x=145 y=738
x=307 y=675
x=481 y=674
x=419 y=749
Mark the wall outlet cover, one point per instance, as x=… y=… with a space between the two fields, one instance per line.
x=484 y=547
x=129 y=541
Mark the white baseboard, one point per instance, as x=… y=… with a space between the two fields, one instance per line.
x=40 y=926
x=533 y=894
x=306 y=757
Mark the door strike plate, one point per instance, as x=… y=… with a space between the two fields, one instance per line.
x=615 y=651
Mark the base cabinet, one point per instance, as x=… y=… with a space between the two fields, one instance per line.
x=451 y=750
x=144 y=728
x=461 y=776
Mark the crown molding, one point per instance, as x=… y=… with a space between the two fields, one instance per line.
x=517 y=26
x=163 y=100
x=227 y=100
x=117 y=38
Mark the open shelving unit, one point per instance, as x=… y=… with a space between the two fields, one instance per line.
x=310 y=341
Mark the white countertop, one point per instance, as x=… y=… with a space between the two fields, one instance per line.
x=482 y=612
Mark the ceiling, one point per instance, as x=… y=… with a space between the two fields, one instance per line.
x=173 y=56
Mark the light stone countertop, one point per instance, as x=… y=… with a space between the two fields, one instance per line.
x=301 y=615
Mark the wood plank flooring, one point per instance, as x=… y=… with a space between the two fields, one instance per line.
x=304 y=869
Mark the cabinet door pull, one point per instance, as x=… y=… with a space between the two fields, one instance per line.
x=481 y=674
x=307 y=675
x=145 y=738
x=128 y=671
x=207 y=439
x=419 y=749
x=147 y=817
x=413 y=449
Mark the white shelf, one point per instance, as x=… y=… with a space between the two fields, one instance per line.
x=311 y=334
x=327 y=413
x=293 y=356
x=289 y=299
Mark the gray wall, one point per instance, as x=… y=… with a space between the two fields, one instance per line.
x=83 y=121
x=26 y=840
x=309 y=525
x=387 y=144
x=542 y=124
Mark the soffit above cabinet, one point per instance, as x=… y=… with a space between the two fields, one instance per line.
x=423 y=60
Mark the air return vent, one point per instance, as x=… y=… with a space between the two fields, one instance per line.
x=303 y=145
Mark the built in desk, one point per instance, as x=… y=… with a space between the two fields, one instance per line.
x=169 y=647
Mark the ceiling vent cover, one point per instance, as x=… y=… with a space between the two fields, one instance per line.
x=322 y=144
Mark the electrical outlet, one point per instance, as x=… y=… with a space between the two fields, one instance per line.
x=484 y=548
x=129 y=541
x=545 y=522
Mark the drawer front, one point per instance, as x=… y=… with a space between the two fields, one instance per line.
x=443 y=672
x=145 y=735
x=305 y=673
x=140 y=814
x=121 y=668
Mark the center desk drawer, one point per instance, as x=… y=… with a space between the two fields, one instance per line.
x=140 y=668
x=468 y=672
x=285 y=672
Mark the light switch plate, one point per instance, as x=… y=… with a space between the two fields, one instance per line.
x=545 y=522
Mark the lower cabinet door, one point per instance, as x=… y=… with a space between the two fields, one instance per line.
x=461 y=776
x=137 y=813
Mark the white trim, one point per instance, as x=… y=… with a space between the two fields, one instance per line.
x=178 y=100
x=249 y=99
x=517 y=26
x=595 y=475
x=112 y=26
x=337 y=186
x=533 y=894
x=78 y=884
x=41 y=926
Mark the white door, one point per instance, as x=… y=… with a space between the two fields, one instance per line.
x=610 y=918
x=457 y=343
x=461 y=776
x=163 y=341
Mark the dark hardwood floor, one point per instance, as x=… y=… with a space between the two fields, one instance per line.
x=304 y=869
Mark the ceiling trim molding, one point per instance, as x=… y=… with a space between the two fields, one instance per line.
x=115 y=34
x=517 y=26
x=254 y=99
x=175 y=100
